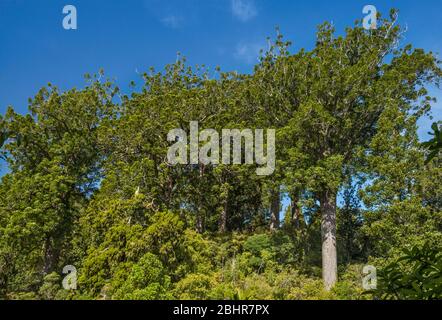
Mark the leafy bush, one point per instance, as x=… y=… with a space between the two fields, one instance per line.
x=146 y=281
x=417 y=274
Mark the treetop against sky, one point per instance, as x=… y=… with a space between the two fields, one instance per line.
x=147 y=192
x=125 y=39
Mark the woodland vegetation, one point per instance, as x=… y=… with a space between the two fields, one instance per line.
x=89 y=185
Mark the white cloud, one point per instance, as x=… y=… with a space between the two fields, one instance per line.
x=244 y=10
x=172 y=21
x=248 y=52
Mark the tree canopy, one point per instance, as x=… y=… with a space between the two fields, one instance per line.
x=89 y=183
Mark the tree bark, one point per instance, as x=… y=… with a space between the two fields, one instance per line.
x=328 y=231
x=224 y=199
x=200 y=213
x=223 y=217
x=274 y=210
x=199 y=223
x=296 y=213
x=49 y=256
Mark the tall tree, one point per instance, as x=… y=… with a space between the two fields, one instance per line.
x=345 y=87
x=54 y=157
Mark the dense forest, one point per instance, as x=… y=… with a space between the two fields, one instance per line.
x=89 y=185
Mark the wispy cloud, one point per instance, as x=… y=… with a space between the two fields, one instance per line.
x=244 y=10
x=171 y=14
x=248 y=52
x=172 y=21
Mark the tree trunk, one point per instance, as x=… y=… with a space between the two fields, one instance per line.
x=199 y=223
x=49 y=256
x=223 y=217
x=274 y=210
x=200 y=214
x=296 y=213
x=328 y=231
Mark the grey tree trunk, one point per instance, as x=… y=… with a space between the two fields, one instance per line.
x=274 y=210
x=200 y=214
x=328 y=231
x=296 y=213
x=223 y=217
x=199 y=222
x=49 y=256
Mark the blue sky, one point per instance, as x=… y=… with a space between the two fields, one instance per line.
x=124 y=37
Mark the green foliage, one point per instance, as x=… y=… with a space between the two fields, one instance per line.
x=3 y=132
x=51 y=288
x=257 y=243
x=435 y=144
x=147 y=280
x=194 y=287
x=416 y=274
x=89 y=184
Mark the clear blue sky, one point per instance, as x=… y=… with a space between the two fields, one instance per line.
x=125 y=36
